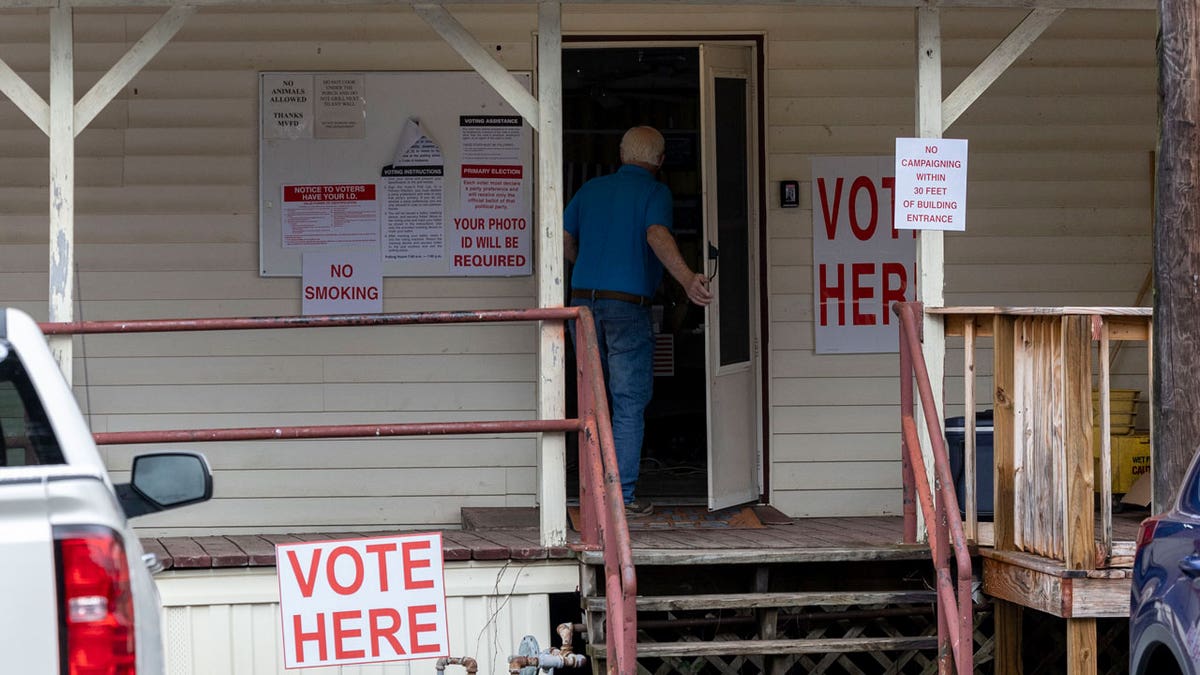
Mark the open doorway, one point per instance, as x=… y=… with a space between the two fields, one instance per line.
x=605 y=92
x=703 y=425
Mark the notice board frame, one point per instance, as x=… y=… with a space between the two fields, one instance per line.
x=437 y=99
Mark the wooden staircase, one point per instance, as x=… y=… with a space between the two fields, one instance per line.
x=802 y=617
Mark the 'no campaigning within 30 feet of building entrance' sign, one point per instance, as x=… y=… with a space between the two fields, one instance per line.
x=931 y=184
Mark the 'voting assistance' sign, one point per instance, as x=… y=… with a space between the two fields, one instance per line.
x=362 y=600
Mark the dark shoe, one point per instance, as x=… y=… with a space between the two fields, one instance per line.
x=637 y=508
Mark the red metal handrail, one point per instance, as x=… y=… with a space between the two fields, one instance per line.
x=956 y=644
x=600 y=492
x=604 y=526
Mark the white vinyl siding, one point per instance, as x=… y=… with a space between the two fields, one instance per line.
x=227 y=621
x=1058 y=213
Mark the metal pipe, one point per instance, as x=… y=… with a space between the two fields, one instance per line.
x=327 y=321
x=909 y=507
x=620 y=577
x=336 y=431
x=465 y=661
x=953 y=636
x=566 y=637
x=546 y=661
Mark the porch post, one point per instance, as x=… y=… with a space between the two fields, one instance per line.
x=930 y=257
x=552 y=492
x=62 y=180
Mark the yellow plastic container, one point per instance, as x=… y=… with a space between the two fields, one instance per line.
x=1130 y=459
x=1122 y=404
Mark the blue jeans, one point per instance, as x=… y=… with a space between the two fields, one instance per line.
x=625 y=335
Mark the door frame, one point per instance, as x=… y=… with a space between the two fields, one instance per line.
x=758 y=42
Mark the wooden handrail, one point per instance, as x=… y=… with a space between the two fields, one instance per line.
x=956 y=646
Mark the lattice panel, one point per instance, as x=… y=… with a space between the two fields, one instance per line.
x=809 y=624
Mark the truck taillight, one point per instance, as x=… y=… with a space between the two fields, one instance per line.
x=96 y=608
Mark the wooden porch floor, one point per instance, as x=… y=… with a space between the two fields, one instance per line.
x=809 y=539
x=513 y=538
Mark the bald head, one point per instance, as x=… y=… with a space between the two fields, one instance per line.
x=643 y=146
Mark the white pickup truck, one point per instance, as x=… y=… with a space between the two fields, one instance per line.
x=76 y=592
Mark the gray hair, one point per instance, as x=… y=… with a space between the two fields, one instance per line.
x=643 y=144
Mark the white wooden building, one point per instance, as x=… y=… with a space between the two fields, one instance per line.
x=165 y=224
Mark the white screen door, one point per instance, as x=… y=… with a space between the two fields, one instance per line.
x=729 y=152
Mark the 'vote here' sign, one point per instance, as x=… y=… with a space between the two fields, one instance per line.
x=362 y=600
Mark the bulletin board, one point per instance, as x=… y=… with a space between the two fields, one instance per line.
x=432 y=169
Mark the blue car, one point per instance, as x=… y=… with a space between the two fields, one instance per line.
x=1164 y=623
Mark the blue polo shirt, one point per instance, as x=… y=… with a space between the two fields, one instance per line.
x=608 y=218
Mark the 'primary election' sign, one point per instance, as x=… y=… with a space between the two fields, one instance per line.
x=362 y=600
x=861 y=263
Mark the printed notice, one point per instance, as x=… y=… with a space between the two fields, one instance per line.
x=330 y=215
x=340 y=106
x=287 y=110
x=491 y=234
x=931 y=184
x=491 y=139
x=413 y=207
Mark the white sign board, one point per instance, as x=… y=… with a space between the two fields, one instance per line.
x=931 y=184
x=362 y=600
x=449 y=165
x=342 y=281
x=861 y=264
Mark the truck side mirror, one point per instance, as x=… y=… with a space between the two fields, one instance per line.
x=165 y=480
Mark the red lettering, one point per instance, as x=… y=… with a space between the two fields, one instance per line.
x=830 y=220
x=301 y=637
x=306 y=581
x=358 y=570
x=892 y=293
x=343 y=271
x=340 y=634
x=381 y=551
x=414 y=628
x=409 y=564
x=828 y=292
x=863 y=183
x=379 y=631
x=861 y=292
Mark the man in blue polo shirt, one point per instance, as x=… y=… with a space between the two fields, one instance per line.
x=618 y=232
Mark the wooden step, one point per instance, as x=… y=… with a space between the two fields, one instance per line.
x=753 y=647
x=760 y=556
x=763 y=600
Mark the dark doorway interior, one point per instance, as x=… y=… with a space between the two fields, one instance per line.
x=605 y=92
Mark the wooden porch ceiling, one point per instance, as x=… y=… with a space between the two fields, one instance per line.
x=894 y=4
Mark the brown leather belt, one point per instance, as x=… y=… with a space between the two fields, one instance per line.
x=639 y=300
